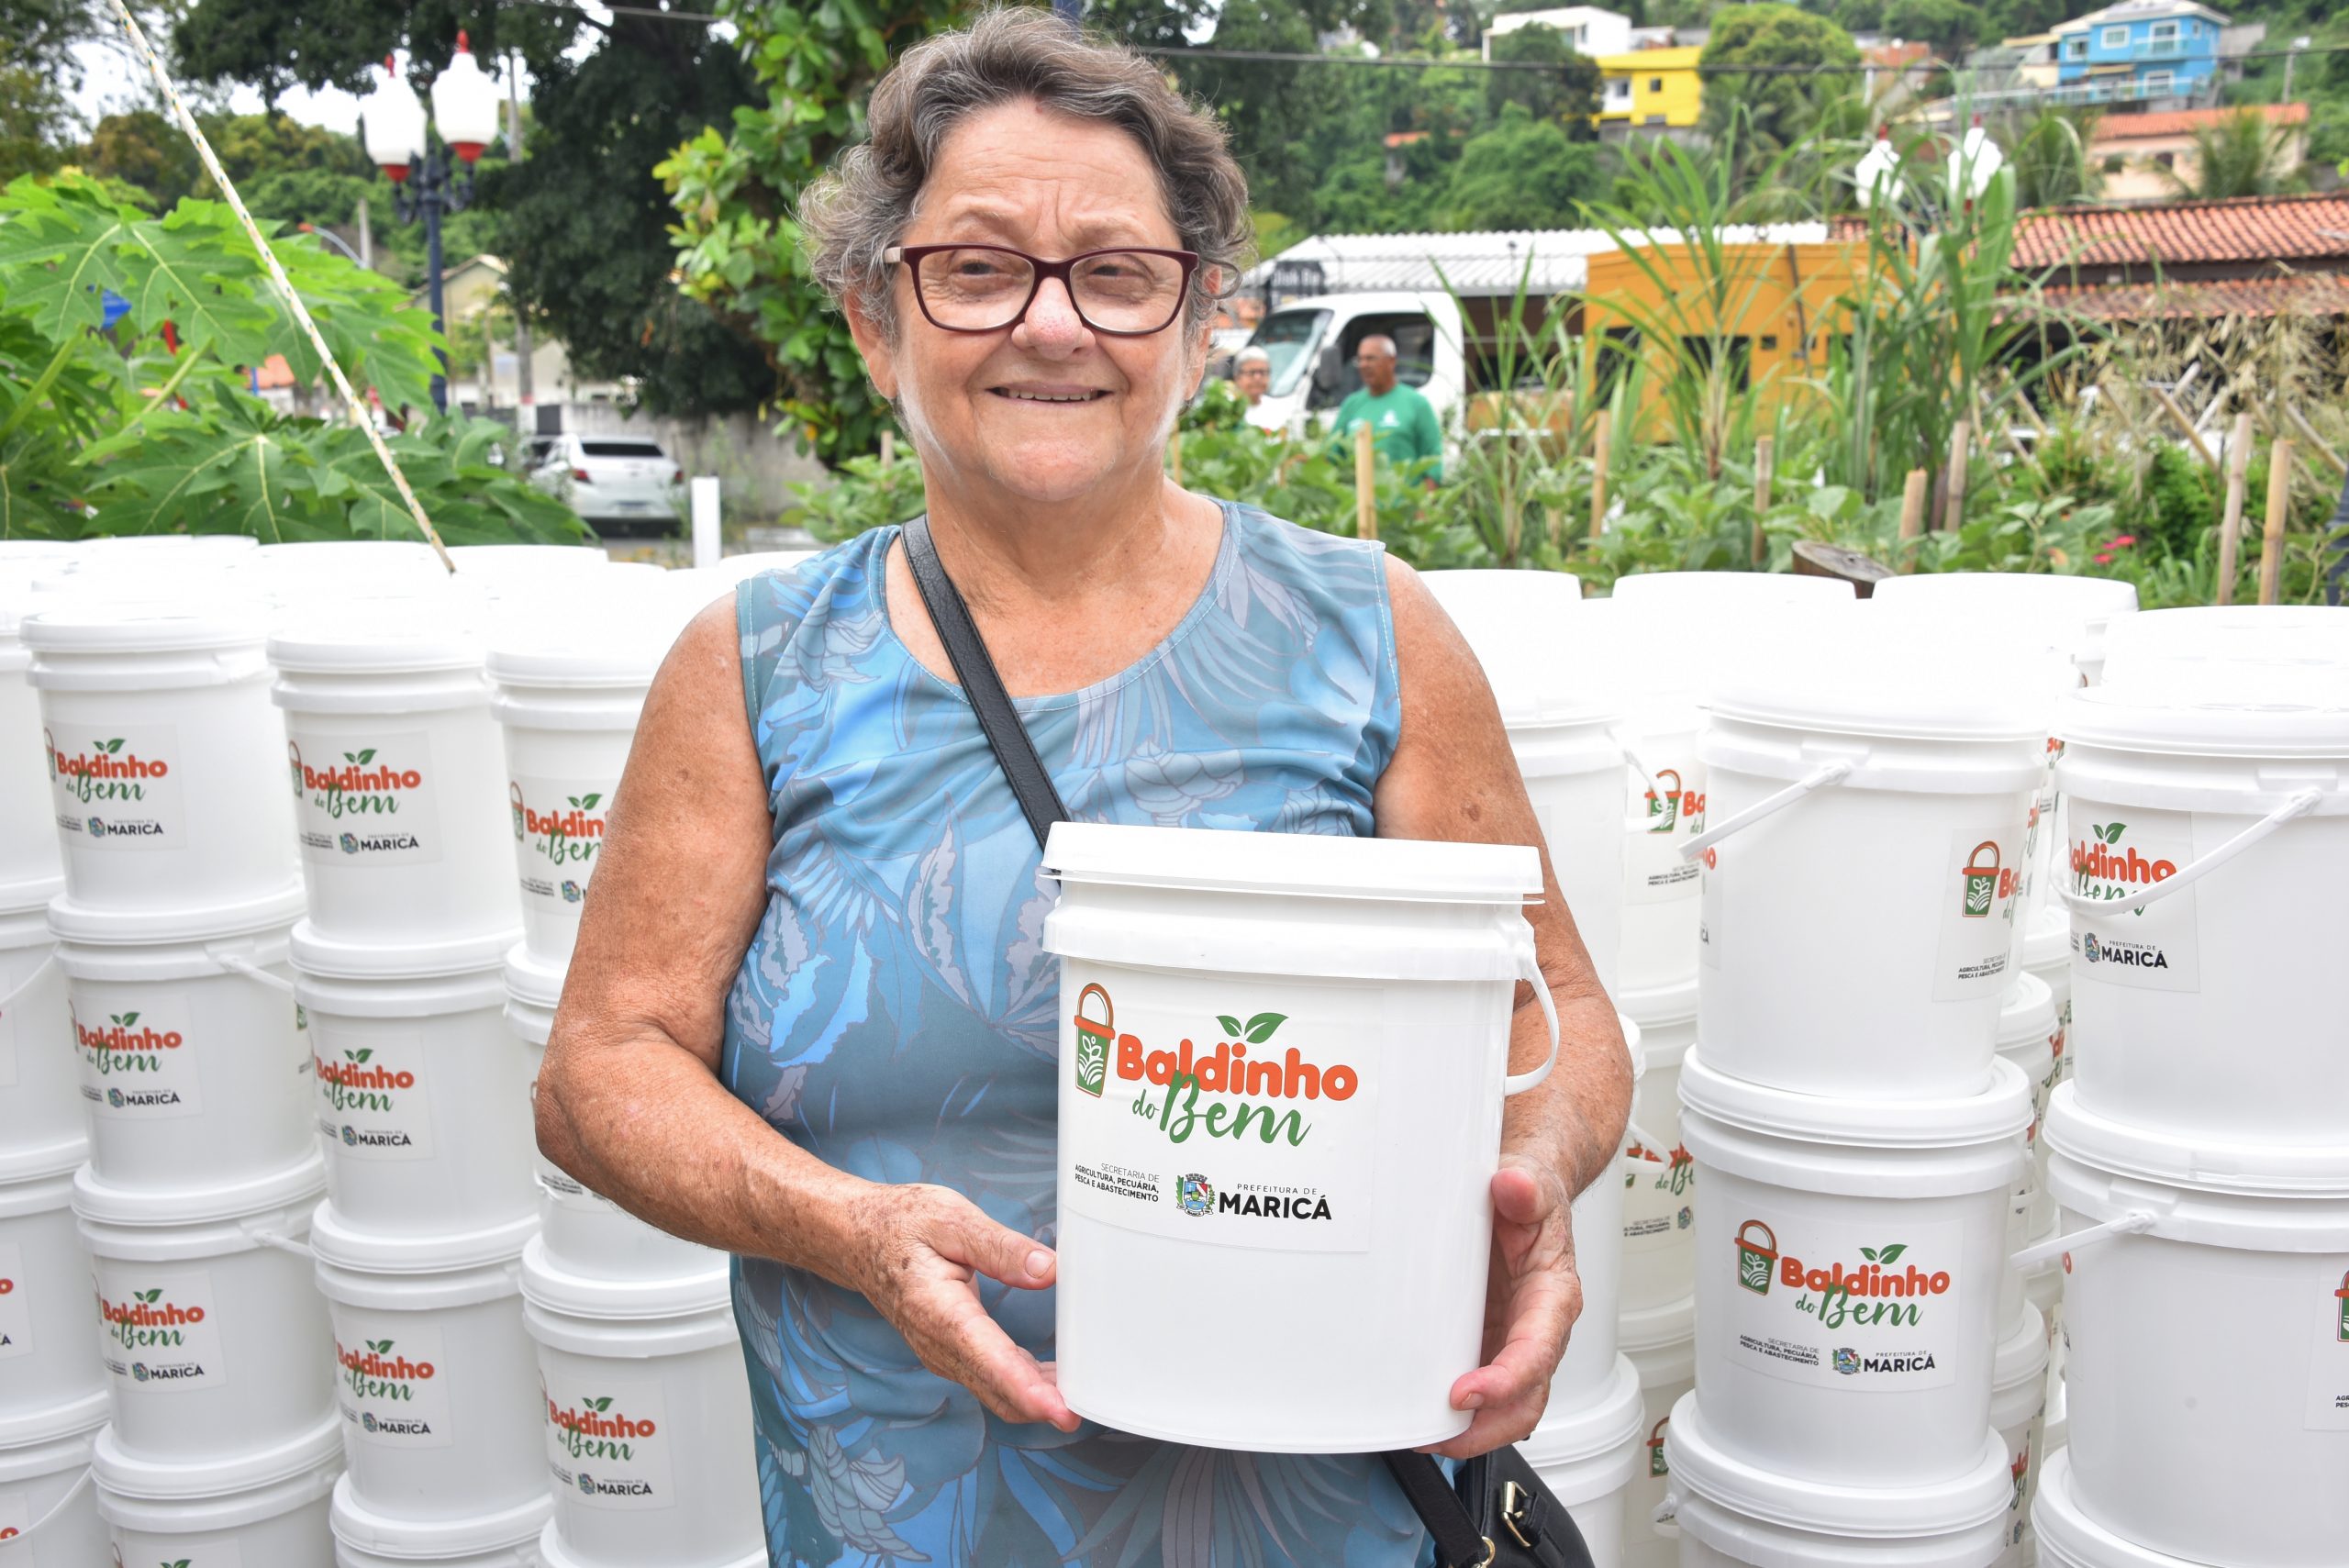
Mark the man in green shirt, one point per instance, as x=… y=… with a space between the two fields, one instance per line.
x=1401 y=420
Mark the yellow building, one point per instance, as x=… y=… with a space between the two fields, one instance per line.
x=1650 y=88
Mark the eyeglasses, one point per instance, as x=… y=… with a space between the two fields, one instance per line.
x=985 y=288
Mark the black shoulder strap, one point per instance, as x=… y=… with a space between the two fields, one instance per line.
x=1458 y=1543
x=967 y=652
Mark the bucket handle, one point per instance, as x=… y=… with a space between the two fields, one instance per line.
x=277 y=1240
x=1666 y=1517
x=1656 y=1147
x=1831 y=772
x=1631 y=760
x=1529 y=969
x=249 y=970
x=2032 y=1260
x=55 y=1508
x=2300 y=804
x=8 y=998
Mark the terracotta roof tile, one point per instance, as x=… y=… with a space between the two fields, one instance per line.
x=2186 y=122
x=2314 y=294
x=2249 y=229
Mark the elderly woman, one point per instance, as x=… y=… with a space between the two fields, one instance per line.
x=1252 y=374
x=810 y=1022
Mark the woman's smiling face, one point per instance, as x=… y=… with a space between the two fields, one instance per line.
x=1047 y=410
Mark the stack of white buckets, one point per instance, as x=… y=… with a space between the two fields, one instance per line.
x=409 y=1375
x=2200 y=1151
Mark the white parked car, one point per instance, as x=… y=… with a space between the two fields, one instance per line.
x=616 y=483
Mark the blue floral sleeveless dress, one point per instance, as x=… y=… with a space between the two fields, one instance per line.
x=897 y=1017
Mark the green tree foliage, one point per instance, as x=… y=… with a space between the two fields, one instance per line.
x=1567 y=93
x=1522 y=174
x=1951 y=26
x=2243 y=155
x=2049 y=153
x=1782 y=107
x=132 y=429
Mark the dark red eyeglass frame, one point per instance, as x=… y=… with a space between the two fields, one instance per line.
x=910 y=257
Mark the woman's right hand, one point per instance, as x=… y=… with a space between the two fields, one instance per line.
x=916 y=1252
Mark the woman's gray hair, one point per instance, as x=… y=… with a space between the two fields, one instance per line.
x=860 y=207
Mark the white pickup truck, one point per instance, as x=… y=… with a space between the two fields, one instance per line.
x=1311 y=343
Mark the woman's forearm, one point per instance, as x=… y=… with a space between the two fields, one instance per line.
x=1574 y=1120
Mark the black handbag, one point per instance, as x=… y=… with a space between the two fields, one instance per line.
x=1494 y=1510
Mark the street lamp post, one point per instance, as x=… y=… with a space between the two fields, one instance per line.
x=400 y=141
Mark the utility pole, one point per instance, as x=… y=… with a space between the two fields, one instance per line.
x=524 y=393
x=2291 y=58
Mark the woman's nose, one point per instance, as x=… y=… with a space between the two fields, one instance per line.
x=1051 y=325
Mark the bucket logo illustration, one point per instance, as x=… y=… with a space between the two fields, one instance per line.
x=375 y=1371
x=2102 y=867
x=1189 y=1073
x=569 y=837
x=593 y=1430
x=145 y=1321
x=358 y=787
x=104 y=771
x=1664 y=802
x=124 y=1045
x=353 y=1084
x=514 y=802
x=2019 y=1472
x=1757 y=1260
x=1094 y=1041
x=1656 y=1466
x=1876 y=1292
x=1984 y=882
x=1194 y=1195
x=572 y=892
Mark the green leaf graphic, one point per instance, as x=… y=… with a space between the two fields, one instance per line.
x=362 y=1054
x=368 y=755
x=1869 y=1253
x=379 y=1346
x=1892 y=1254
x=1260 y=1027
x=2112 y=834
x=149 y=1295
x=110 y=746
x=598 y=1406
x=591 y=800
x=1231 y=1025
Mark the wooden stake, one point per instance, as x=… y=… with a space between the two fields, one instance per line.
x=1912 y=517
x=1765 y=457
x=2231 y=523
x=2279 y=510
x=2316 y=442
x=889 y=448
x=2177 y=414
x=1961 y=438
x=1366 y=480
x=1602 y=450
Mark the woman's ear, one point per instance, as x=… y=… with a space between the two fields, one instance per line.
x=873 y=342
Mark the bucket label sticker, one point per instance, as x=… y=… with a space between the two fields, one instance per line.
x=1668 y=816
x=391 y=1382
x=2117 y=851
x=607 y=1440
x=1659 y=1198
x=558 y=834
x=139 y=1064
x=1250 y=1128
x=1978 y=903
x=160 y=1328
x=364 y=802
x=15 y=1304
x=372 y=1099
x=117 y=787
x=1840 y=1306
x=2328 y=1381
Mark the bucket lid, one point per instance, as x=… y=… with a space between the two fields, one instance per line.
x=1512 y=622
x=2069 y=1539
x=338 y=1243
x=1759 y=592
x=435 y=1541
x=1851 y=672
x=531 y=980
x=2026 y=1013
x=18 y=897
x=46 y=1161
x=387 y=636
x=2253 y=1170
x=1311 y=864
x=1606 y=1422
x=297 y=1186
x=130 y=1474
x=1964 y=1502
x=1651 y=1328
x=2263 y=716
x=557 y=1289
x=2221 y=632
x=2047 y=940
x=2070 y=612
x=47 y=1423
x=1663 y=1003
x=331 y=958
x=97 y=621
x=72 y=922
x=2000 y=1111
x=2022 y=1356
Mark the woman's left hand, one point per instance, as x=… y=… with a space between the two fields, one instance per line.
x=1531 y=1298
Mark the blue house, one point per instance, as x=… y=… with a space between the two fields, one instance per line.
x=2139 y=53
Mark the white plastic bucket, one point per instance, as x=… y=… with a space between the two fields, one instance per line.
x=1661 y=1347
x=2163 y=645
x=269 y=1512
x=1746 y=595
x=2207 y=1357
x=1366 y=987
x=434 y=1379
x=423 y=1102
x=363 y=1539
x=547 y=564
x=1660 y=1184
x=647 y=1416
x=2066 y=1537
x=396 y=775
x=1888 y=1379
x=1732 y=1511
x=213 y=1336
x=735 y=567
x=2198 y=834
x=2072 y=613
x=163 y=757
x=28 y=852
x=40 y=1102
x=1588 y=1452
x=1596 y=1219
x=583 y=1232
x=49 y=1342
x=185 y=1045
x=1862 y=854
x=2017 y=1404
x=569 y=709
x=49 y=1513
x=2027 y=1038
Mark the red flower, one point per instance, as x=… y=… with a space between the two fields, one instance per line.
x=2105 y=559
x=2123 y=541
